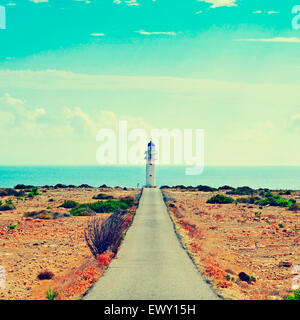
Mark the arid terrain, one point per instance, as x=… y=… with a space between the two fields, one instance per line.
x=226 y=240
x=32 y=245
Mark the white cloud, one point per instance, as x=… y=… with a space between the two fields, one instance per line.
x=259 y=132
x=221 y=3
x=278 y=39
x=266 y=12
x=39 y=1
x=17 y=114
x=294 y=122
x=168 y=33
x=97 y=34
x=127 y=2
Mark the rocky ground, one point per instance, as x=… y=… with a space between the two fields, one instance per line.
x=54 y=245
x=225 y=240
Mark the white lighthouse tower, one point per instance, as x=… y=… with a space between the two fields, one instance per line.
x=150 y=165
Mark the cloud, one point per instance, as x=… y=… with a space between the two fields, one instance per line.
x=17 y=114
x=127 y=2
x=39 y=1
x=259 y=132
x=220 y=3
x=168 y=33
x=294 y=123
x=278 y=39
x=97 y=34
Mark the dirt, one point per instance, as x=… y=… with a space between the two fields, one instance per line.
x=225 y=240
x=55 y=245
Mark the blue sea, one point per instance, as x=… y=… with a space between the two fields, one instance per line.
x=128 y=176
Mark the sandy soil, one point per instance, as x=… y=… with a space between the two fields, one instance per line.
x=56 y=245
x=224 y=240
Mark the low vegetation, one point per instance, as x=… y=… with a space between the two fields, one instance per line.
x=50 y=294
x=295 y=296
x=88 y=209
x=221 y=199
x=45 y=215
x=9 y=205
x=101 y=237
x=33 y=193
x=103 y=196
x=69 y=204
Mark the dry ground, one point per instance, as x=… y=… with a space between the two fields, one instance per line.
x=227 y=239
x=56 y=245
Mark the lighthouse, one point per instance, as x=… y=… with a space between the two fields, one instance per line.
x=150 y=165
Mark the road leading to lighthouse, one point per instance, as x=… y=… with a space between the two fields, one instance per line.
x=151 y=264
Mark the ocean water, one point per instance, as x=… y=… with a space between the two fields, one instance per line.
x=128 y=176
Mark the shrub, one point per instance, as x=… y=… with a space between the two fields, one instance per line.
x=9 y=205
x=226 y=188
x=105 y=236
x=44 y=214
x=128 y=200
x=103 y=196
x=274 y=200
x=10 y=192
x=219 y=198
x=50 y=294
x=294 y=207
x=206 y=188
x=82 y=210
x=296 y=296
x=108 y=206
x=69 y=204
x=23 y=186
x=11 y=226
x=242 y=191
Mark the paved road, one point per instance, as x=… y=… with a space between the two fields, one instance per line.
x=151 y=264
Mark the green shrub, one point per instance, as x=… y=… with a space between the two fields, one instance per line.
x=206 y=188
x=296 y=296
x=294 y=207
x=11 y=226
x=128 y=200
x=219 y=198
x=103 y=196
x=108 y=206
x=50 y=294
x=82 y=210
x=69 y=204
x=242 y=191
x=9 y=205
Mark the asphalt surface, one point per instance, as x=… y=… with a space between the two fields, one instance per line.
x=151 y=264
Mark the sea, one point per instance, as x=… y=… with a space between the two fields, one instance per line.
x=134 y=176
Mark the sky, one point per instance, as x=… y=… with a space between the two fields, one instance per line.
x=69 y=68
